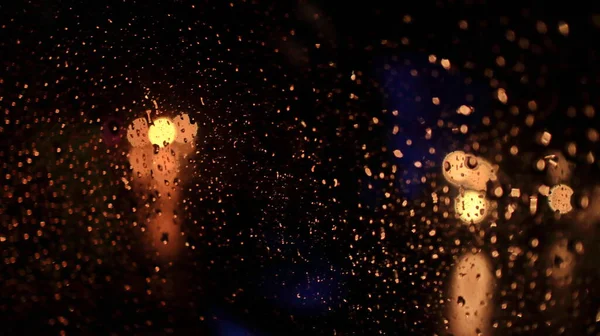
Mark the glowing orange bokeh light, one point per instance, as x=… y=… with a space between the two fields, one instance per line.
x=162 y=133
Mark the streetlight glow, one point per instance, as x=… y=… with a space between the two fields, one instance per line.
x=162 y=133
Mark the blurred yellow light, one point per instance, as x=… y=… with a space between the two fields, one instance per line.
x=162 y=133
x=471 y=206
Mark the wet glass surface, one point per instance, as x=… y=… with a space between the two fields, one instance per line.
x=298 y=168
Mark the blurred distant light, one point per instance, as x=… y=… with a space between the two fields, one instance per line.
x=471 y=206
x=471 y=295
x=137 y=133
x=467 y=171
x=186 y=131
x=140 y=160
x=559 y=198
x=162 y=133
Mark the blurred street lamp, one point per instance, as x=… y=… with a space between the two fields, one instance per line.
x=156 y=150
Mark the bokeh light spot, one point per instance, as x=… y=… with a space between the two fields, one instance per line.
x=162 y=133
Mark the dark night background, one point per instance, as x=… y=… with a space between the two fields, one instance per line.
x=277 y=193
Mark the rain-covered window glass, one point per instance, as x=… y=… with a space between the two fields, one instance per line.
x=299 y=168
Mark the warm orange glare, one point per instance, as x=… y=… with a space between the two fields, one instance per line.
x=559 y=198
x=471 y=295
x=162 y=133
x=137 y=133
x=140 y=159
x=165 y=165
x=467 y=171
x=471 y=206
x=155 y=169
x=186 y=131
